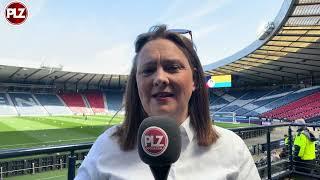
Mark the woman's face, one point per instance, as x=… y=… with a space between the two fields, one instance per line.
x=164 y=80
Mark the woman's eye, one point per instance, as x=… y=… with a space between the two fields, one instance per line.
x=173 y=68
x=147 y=71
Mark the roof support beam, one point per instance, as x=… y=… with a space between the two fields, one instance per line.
x=264 y=68
x=71 y=77
x=32 y=74
x=19 y=69
x=271 y=74
x=303 y=53
x=289 y=55
x=306 y=15
x=100 y=80
x=119 y=82
x=60 y=76
x=288 y=62
x=81 y=78
x=242 y=76
x=280 y=66
x=255 y=75
x=90 y=80
x=300 y=41
x=306 y=4
x=46 y=75
x=109 y=81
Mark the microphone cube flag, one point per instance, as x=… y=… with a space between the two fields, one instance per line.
x=159 y=141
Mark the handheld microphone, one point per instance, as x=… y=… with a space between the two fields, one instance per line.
x=159 y=144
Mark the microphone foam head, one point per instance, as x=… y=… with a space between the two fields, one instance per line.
x=159 y=141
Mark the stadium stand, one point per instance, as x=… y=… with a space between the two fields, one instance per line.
x=314 y=120
x=310 y=111
x=96 y=101
x=52 y=104
x=265 y=101
x=6 y=105
x=225 y=99
x=27 y=105
x=213 y=97
x=244 y=100
x=296 y=107
x=286 y=103
x=114 y=100
x=75 y=102
x=288 y=99
x=248 y=110
x=92 y=102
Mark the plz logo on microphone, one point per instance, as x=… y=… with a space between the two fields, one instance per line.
x=154 y=141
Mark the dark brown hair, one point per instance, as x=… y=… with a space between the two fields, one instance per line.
x=198 y=103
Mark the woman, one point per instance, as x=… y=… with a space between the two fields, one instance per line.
x=167 y=79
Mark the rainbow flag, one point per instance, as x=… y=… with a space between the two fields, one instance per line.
x=218 y=81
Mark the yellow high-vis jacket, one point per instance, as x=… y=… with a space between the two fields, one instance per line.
x=307 y=150
x=286 y=141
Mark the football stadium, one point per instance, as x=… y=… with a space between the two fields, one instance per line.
x=49 y=117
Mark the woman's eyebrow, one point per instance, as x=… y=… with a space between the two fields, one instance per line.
x=150 y=63
x=170 y=61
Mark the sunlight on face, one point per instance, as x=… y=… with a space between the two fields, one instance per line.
x=164 y=80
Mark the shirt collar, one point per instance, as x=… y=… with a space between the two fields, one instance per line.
x=186 y=127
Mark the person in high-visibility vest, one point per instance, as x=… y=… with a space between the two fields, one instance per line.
x=285 y=149
x=286 y=140
x=304 y=150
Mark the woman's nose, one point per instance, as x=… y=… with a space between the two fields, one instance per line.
x=160 y=78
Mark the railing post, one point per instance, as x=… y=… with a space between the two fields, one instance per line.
x=61 y=166
x=71 y=166
x=33 y=170
x=25 y=166
x=1 y=176
x=290 y=147
x=268 y=153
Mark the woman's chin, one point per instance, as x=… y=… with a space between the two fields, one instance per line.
x=163 y=112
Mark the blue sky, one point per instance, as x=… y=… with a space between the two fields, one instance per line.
x=97 y=36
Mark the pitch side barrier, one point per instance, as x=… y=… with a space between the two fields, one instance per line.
x=289 y=164
x=48 y=150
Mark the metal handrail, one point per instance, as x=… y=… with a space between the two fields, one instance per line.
x=47 y=150
x=43 y=150
x=82 y=146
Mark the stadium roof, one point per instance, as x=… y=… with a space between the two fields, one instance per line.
x=288 y=50
x=47 y=75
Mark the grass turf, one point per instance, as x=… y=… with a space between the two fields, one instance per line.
x=52 y=175
x=233 y=125
x=27 y=131
x=24 y=132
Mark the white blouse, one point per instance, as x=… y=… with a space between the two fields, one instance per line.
x=227 y=159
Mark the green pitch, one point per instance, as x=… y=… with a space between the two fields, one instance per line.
x=26 y=132
x=232 y=125
x=49 y=175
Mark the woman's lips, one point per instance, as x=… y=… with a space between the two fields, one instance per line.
x=163 y=96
